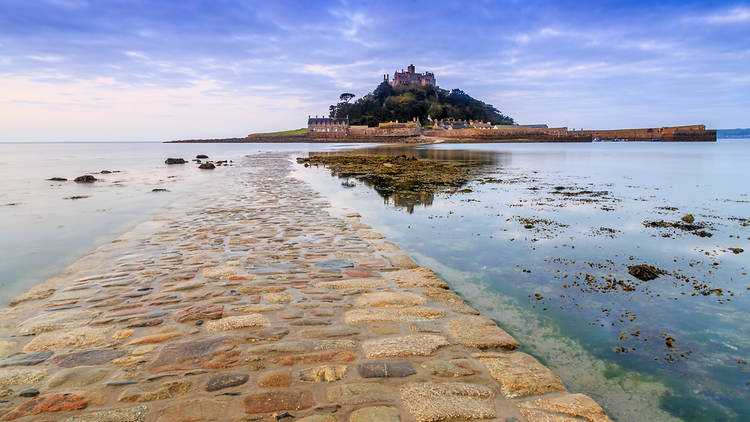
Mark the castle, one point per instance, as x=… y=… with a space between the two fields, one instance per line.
x=410 y=78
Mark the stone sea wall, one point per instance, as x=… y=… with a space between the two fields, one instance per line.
x=249 y=301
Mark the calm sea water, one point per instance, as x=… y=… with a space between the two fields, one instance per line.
x=543 y=244
x=43 y=232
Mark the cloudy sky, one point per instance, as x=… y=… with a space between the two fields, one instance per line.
x=154 y=70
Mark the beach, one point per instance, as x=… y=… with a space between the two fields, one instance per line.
x=248 y=300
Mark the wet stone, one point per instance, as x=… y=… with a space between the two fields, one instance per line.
x=77 y=377
x=329 y=332
x=219 y=382
x=429 y=401
x=235 y=322
x=563 y=407
x=358 y=393
x=47 y=403
x=275 y=401
x=73 y=338
x=128 y=414
x=26 y=359
x=275 y=378
x=31 y=392
x=193 y=409
x=325 y=373
x=316 y=357
x=375 y=414
x=88 y=357
x=197 y=312
x=385 y=369
x=453 y=368
x=480 y=332
x=15 y=376
x=520 y=375
x=217 y=352
x=409 y=345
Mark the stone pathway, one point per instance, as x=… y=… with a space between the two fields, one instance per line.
x=248 y=301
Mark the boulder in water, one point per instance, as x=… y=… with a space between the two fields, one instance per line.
x=207 y=166
x=57 y=179
x=201 y=156
x=644 y=272
x=174 y=161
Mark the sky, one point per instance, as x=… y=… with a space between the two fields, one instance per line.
x=106 y=70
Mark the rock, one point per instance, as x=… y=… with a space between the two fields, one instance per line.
x=207 y=166
x=402 y=261
x=417 y=277
x=127 y=414
x=448 y=298
x=31 y=392
x=167 y=390
x=219 y=382
x=46 y=404
x=77 y=377
x=385 y=369
x=201 y=156
x=478 y=331
x=520 y=375
x=274 y=401
x=255 y=289
x=159 y=190
x=416 y=313
x=428 y=401
x=174 y=161
x=86 y=178
x=352 y=283
x=335 y=344
x=390 y=299
x=454 y=368
x=384 y=328
x=278 y=347
x=16 y=376
x=35 y=293
x=409 y=345
x=318 y=418
x=375 y=414
x=737 y=250
x=688 y=218
x=283 y=297
x=235 y=322
x=196 y=312
x=88 y=357
x=327 y=373
x=328 y=332
x=644 y=272
x=57 y=179
x=275 y=378
x=563 y=407
x=217 y=352
x=75 y=338
x=26 y=359
x=194 y=410
x=358 y=393
x=316 y=357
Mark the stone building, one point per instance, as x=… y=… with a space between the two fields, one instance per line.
x=326 y=127
x=410 y=78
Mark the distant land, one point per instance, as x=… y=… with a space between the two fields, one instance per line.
x=732 y=133
x=412 y=108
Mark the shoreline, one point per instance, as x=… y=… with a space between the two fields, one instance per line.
x=255 y=289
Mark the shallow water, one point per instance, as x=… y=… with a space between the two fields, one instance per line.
x=543 y=245
x=43 y=232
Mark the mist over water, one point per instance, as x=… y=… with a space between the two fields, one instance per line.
x=543 y=244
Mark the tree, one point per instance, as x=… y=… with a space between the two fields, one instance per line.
x=346 y=97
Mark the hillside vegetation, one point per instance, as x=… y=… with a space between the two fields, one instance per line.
x=386 y=103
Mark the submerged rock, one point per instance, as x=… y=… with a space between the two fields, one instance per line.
x=57 y=179
x=207 y=166
x=644 y=272
x=86 y=178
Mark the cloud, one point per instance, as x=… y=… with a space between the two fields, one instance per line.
x=738 y=14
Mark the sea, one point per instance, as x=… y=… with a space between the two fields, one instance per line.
x=543 y=240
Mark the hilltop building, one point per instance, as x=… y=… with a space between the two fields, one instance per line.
x=410 y=78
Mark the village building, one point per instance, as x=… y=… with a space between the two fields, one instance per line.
x=410 y=78
x=327 y=127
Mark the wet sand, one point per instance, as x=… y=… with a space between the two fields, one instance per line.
x=247 y=300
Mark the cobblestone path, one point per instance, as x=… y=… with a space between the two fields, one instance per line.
x=249 y=301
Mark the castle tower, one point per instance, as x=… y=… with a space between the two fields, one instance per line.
x=411 y=69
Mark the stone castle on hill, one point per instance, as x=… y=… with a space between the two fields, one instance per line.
x=410 y=78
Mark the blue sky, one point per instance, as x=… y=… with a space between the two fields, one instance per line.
x=154 y=70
